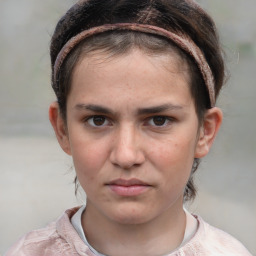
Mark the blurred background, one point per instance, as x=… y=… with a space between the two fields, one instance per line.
x=36 y=177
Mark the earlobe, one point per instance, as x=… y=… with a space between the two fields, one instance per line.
x=59 y=127
x=208 y=131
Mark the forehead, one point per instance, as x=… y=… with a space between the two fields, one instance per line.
x=133 y=78
x=110 y=45
x=172 y=60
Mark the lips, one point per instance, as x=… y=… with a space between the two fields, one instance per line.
x=131 y=187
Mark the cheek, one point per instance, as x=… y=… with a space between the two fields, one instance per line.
x=177 y=151
x=88 y=158
x=173 y=159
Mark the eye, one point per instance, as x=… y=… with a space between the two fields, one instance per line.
x=159 y=121
x=98 y=121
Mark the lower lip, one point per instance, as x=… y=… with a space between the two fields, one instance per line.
x=134 y=190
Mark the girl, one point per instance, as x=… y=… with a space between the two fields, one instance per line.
x=136 y=84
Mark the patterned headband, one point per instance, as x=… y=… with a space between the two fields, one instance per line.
x=181 y=40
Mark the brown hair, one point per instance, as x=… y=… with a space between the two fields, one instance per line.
x=183 y=16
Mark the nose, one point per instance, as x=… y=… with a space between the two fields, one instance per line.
x=126 y=151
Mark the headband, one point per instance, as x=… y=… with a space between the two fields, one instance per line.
x=181 y=40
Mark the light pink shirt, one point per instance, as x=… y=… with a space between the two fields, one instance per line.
x=61 y=239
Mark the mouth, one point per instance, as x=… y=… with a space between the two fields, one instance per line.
x=128 y=188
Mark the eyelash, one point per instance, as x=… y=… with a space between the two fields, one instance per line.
x=167 y=121
x=90 y=118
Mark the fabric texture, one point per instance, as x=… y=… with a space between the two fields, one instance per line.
x=60 y=238
x=76 y=222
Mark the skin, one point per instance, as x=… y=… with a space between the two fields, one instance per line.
x=133 y=117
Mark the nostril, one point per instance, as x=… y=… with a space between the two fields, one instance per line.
x=127 y=161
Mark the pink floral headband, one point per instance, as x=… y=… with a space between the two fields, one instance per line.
x=183 y=41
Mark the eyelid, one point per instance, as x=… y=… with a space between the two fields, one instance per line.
x=168 y=121
x=108 y=121
x=88 y=118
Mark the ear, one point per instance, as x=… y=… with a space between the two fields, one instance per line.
x=59 y=127
x=208 y=131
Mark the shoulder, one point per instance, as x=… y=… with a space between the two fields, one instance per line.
x=58 y=238
x=213 y=241
x=35 y=241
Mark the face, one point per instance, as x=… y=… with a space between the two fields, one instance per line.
x=133 y=133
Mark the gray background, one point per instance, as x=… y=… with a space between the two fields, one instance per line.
x=36 y=176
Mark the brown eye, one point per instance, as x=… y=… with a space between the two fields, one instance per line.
x=97 y=121
x=159 y=121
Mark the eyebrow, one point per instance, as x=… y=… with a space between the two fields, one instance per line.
x=159 y=109
x=141 y=111
x=94 y=108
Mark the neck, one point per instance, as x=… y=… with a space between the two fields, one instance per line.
x=156 y=237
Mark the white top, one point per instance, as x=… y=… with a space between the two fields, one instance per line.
x=76 y=220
